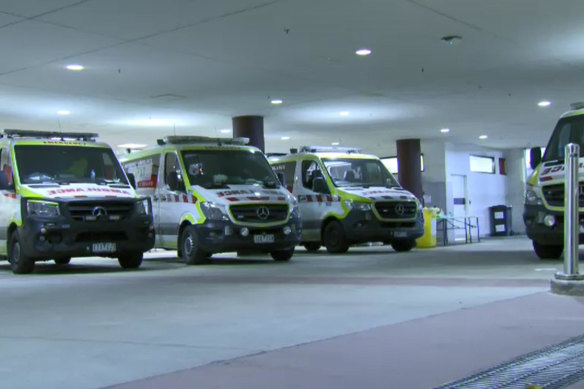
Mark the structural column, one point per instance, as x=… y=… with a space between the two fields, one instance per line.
x=251 y=127
x=410 y=166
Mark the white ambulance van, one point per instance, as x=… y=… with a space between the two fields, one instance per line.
x=543 y=212
x=213 y=195
x=346 y=198
x=65 y=195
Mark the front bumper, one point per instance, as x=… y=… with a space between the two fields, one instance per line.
x=223 y=236
x=45 y=239
x=537 y=231
x=363 y=226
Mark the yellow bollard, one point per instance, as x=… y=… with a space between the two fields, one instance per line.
x=428 y=240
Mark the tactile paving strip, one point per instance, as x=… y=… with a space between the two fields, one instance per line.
x=550 y=368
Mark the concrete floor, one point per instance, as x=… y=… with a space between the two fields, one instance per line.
x=372 y=318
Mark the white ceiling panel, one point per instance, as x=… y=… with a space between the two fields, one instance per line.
x=131 y=19
x=32 y=8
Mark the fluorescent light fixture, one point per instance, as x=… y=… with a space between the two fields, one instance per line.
x=64 y=112
x=483 y=137
x=133 y=146
x=226 y=130
x=344 y=113
x=277 y=101
x=445 y=130
x=285 y=138
x=75 y=67
x=363 y=52
x=544 y=103
x=336 y=143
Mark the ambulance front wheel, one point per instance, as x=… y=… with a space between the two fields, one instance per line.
x=190 y=251
x=130 y=260
x=282 y=255
x=403 y=244
x=20 y=263
x=334 y=238
x=312 y=246
x=548 y=251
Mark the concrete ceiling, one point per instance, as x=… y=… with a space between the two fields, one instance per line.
x=154 y=68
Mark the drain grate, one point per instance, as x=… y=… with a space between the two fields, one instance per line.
x=550 y=368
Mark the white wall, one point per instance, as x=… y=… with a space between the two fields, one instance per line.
x=516 y=186
x=484 y=190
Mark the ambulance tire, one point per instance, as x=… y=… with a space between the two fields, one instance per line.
x=282 y=255
x=403 y=245
x=131 y=260
x=189 y=247
x=312 y=247
x=19 y=263
x=62 y=261
x=548 y=251
x=334 y=238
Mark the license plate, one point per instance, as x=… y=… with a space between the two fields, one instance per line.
x=103 y=247
x=400 y=234
x=264 y=238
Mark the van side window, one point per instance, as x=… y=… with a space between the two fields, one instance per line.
x=7 y=166
x=172 y=172
x=310 y=170
x=145 y=171
x=288 y=168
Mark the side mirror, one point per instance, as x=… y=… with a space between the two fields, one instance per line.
x=4 y=181
x=132 y=180
x=282 y=178
x=319 y=185
x=174 y=182
x=535 y=154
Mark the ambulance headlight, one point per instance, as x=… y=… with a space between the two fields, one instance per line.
x=214 y=211
x=42 y=208
x=531 y=196
x=357 y=205
x=143 y=207
x=295 y=211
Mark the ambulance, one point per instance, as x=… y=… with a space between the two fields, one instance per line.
x=65 y=195
x=347 y=198
x=544 y=198
x=213 y=195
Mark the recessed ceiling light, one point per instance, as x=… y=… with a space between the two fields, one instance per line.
x=64 y=112
x=544 y=103
x=277 y=101
x=132 y=146
x=336 y=143
x=363 y=52
x=483 y=137
x=226 y=130
x=444 y=130
x=75 y=67
x=344 y=113
x=285 y=138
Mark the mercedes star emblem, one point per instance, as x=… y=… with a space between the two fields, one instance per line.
x=263 y=213
x=400 y=209
x=99 y=212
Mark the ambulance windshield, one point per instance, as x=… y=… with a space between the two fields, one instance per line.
x=221 y=168
x=568 y=130
x=47 y=164
x=346 y=172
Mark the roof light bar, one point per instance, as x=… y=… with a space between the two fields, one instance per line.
x=85 y=136
x=316 y=149
x=181 y=139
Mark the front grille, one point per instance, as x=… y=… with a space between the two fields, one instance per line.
x=554 y=195
x=102 y=236
x=259 y=213
x=396 y=209
x=80 y=210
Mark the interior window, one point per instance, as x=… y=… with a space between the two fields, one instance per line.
x=171 y=165
x=310 y=170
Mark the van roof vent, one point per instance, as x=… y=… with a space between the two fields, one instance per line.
x=181 y=139
x=84 y=136
x=330 y=149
